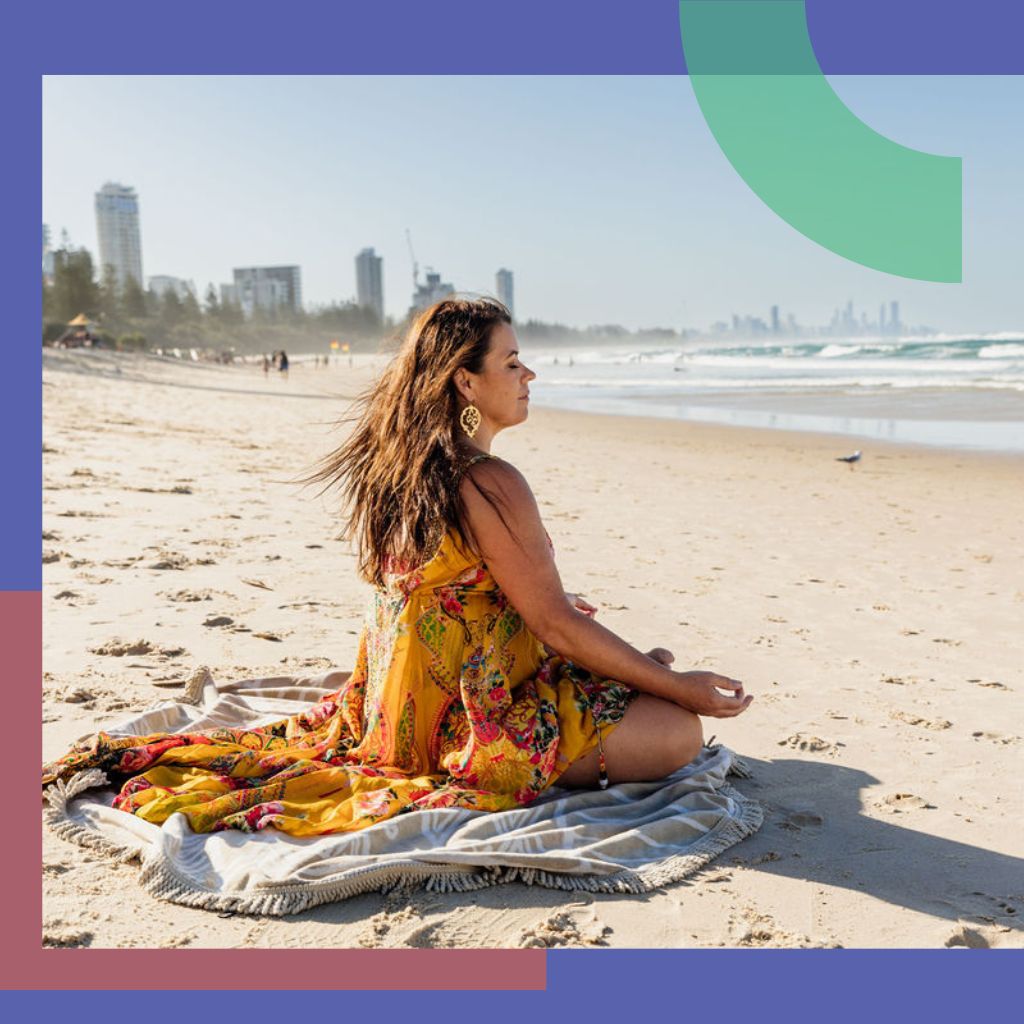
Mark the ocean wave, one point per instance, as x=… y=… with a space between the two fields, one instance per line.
x=1002 y=351
x=690 y=384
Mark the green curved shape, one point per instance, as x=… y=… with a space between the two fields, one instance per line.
x=803 y=152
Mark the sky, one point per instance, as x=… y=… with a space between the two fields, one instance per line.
x=606 y=196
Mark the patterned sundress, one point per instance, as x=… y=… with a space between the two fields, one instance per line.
x=453 y=702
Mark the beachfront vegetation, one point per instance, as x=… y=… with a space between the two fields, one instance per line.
x=130 y=318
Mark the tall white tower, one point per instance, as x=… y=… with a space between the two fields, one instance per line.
x=117 y=227
x=505 y=288
x=369 y=281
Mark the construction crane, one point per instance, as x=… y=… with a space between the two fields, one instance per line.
x=415 y=265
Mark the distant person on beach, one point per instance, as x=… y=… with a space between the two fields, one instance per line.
x=282 y=362
x=266 y=364
x=479 y=681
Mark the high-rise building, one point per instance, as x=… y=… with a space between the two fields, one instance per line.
x=505 y=287
x=881 y=317
x=894 y=316
x=161 y=284
x=269 y=289
x=117 y=228
x=432 y=291
x=775 y=319
x=47 y=255
x=369 y=281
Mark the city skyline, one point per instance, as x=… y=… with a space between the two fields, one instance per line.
x=607 y=195
x=273 y=288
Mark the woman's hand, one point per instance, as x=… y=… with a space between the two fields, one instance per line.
x=701 y=693
x=582 y=606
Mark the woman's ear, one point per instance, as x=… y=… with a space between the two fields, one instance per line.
x=462 y=385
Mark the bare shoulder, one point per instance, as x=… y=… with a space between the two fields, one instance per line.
x=501 y=481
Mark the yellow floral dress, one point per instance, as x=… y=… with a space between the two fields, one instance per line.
x=453 y=702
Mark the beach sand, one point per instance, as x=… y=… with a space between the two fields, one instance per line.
x=876 y=614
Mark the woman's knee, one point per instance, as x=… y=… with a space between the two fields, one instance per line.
x=682 y=739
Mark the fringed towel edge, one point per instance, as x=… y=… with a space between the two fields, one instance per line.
x=58 y=818
x=161 y=881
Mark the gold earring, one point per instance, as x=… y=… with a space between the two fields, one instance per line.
x=470 y=419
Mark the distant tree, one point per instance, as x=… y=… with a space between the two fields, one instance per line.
x=53 y=329
x=212 y=302
x=170 y=309
x=74 y=288
x=49 y=311
x=134 y=342
x=133 y=299
x=231 y=314
x=110 y=295
x=190 y=311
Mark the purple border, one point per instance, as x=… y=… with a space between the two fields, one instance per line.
x=464 y=37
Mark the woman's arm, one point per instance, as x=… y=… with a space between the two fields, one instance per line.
x=518 y=556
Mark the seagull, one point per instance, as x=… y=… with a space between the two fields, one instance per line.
x=850 y=459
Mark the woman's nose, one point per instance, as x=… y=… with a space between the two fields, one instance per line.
x=530 y=375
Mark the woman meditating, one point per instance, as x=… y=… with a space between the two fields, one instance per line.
x=479 y=681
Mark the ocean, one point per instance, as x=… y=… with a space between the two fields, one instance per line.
x=954 y=391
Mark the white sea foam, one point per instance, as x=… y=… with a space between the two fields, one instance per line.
x=1002 y=351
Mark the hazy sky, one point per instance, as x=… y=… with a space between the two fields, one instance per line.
x=607 y=196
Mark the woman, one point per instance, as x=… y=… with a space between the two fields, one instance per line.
x=458 y=697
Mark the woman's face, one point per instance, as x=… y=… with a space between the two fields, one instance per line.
x=501 y=390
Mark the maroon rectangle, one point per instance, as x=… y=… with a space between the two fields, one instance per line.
x=25 y=964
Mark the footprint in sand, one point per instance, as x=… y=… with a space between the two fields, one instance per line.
x=425 y=936
x=161 y=490
x=989 y=686
x=797 y=821
x=910 y=718
x=995 y=737
x=754 y=929
x=219 y=620
x=170 y=561
x=79 y=695
x=379 y=927
x=896 y=803
x=561 y=929
x=187 y=595
x=811 y=744
x=117 y=648
x=64 y=938
x=967 y=938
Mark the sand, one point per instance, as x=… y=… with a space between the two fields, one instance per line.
x=876 y=613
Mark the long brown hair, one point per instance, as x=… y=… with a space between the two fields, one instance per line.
x=399 y=470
